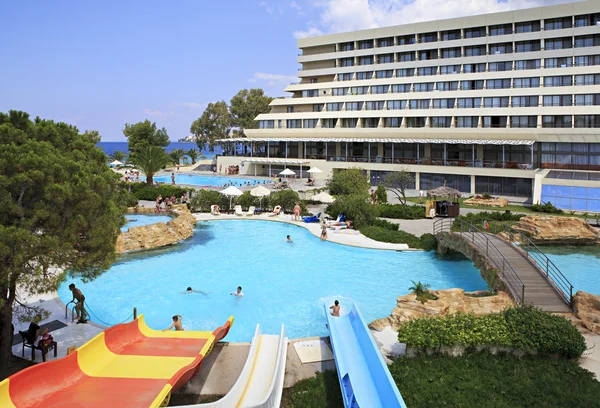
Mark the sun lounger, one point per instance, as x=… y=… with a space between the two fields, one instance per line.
x=214 y=209
x=238 y=210
x=250 y=211
x=313 y=218
x=340 y=218
x=276 y=211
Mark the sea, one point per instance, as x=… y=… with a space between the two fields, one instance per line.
x=110 y=147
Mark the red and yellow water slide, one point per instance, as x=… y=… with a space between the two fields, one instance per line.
x=128 y=365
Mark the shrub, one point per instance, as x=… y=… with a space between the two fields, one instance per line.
x=494 y=218
x=287 y=199
x=548 y=208
x=355 y=208
x=381 y=195
x=349 y=182
x=203 y=199
x=129 y=199
x=385 y=224
x=428 y=242
x=145 y=192
x=486 y=196
x=401 y=212
x=246 y=200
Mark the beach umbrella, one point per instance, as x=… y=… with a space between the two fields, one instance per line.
x=324 y=197
x=314 y=170
x=116 y=163
x=287 y=172
x=231 y=192
x=260 y=192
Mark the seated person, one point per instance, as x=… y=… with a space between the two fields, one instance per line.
x=34 y=331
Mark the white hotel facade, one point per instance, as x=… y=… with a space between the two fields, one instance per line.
x=505 y=103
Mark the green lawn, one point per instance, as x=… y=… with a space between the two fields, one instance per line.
x=477 y=381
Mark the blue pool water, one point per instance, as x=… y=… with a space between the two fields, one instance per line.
x=283 y=282
x=580 y=265
x=214 y=181
x=138 y=220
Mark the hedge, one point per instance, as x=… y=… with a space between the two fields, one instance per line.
x=401 y=212
x=524 y=328
x=145 y=192
x=426 y=242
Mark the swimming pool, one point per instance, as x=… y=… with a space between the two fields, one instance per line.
x=138 y=220
x=579 y=264
x=213 y=181
x=283 y=282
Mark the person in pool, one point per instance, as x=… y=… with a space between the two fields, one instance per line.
x=335 y=309
x=176 y=324
x=289 y=239
x=190 y=290
x=238 y=293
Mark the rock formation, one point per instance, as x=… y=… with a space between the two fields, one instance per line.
x=450 y=301
x=586 y=308
x=159 y=234
x=493 y=202
x=558 y=230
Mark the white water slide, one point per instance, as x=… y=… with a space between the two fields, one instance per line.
x=261 y=382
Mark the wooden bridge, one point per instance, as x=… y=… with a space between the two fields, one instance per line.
x=529 y=275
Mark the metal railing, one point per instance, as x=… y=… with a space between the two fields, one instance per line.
x=481 y=240
x=547 y=268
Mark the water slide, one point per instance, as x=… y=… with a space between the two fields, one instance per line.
x=261 y=382
x=128 y=365
x=365 y=380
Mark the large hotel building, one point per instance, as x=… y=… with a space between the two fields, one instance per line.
x=505 y=103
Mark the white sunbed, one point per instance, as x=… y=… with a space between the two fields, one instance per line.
x=238 y=210
x=276 y=211
x=250 y=211
x=214 y=210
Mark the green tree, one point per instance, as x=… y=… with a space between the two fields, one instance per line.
x=176 y=155
x=215 y=123
x=355 y=208
x=60 y=211
x=118 y=155
x=349 y=181
x=381 y=195
x=246 y=105
x=398 y=181
x=194 y=154
x=150 y=160
x=143 y=134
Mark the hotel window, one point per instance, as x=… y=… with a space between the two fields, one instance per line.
x=425 y=87
x=587 y=20
x=310 y=123
x=444 y=103
x=498 y=84
x=475 y=50
x=587 y=121
x=587 y=60
x=400 y=88
x=294 y=124
x=566 y=80
x=328 y=123
x=393 y=122
x=528 y=46
x=428 y=37
x=440 y=121
x=364 y=75
x=558 y=23
x=379 y=89
x=405 y=72
x=467 y=121
x=525 y=101
x=496 y=102
x=451 y=52
x=447 y=86
x=494 y=121
x=426 y=71
x=526 y=82
x=349 y=122
x=266 y=124
x=558 y=100
x=471 y=85
x=354 y=106
x=368 y=60
x=396 y=105
x=366 y=44
x=587 y=41
x=500 y=29
x=333 y=107
x=406 y=56
x=290 y=109
x=428 y=55
x=370 y=122
x=415 y=122
x=500 y=66
x=449 y=69
x=388 y=73
x=523 y=121
x=558 y=43
x=503 y=48
x=527 y=64
x=557 y=121
x=311 y=93
x=347 y=62
x=527 y=27
x=591 y=79
x=470 y=68
x=385 y=58
x=419 y=103
x=385 y=42
x=374 y=105
x=318 y=107
x=347 y=46
x=450 y=35
x=587 y=100
x=314 y=80
x=345 y=77
x=469 y=103
x=359 y=90
x=564 y=62
x=406 y=39
x=476 y=32
x=340 y=91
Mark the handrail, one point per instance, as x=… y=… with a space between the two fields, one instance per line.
x=507 y=273
x=549 y=270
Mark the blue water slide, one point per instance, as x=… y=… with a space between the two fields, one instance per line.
x=365 y=380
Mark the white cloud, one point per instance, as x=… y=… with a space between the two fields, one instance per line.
x=348 y=15
x=192 y=105
x=158 y=113
x=295 y=6
x=273 y=10
x=272 y=79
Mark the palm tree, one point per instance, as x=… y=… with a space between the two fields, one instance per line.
x=150 y=160
x=118 y=155
x=419 y=288
x=194 y=154
x=177 y=155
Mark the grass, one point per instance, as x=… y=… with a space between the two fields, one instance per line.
x=473 y=381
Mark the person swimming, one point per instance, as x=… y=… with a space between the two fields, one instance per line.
x=289 y=239
x=238 y=293
x=190 y=290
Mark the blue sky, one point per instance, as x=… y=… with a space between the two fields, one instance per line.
x=99 y=65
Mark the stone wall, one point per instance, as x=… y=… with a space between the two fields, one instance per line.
x=558 y=230
x=492 y=202
x=159 y=234
x=586 y=308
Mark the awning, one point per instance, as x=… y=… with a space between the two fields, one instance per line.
x=265 y=160
x=377 y=140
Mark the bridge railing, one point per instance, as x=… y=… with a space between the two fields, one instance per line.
x=480 y=239
x=549 y=270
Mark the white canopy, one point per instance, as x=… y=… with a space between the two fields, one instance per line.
x=314 y=170
x=116 y=163
x=232 y=191
x=260 y=191
x=287 y=172
x=324 y=197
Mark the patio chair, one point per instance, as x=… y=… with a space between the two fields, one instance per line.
x=44 y=349
x=238 y=210
x=275 y=211
x=250 y=212
x=214 y=209
x=313 y=218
